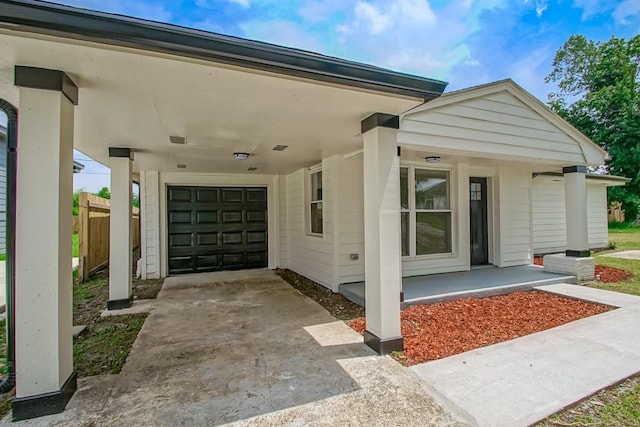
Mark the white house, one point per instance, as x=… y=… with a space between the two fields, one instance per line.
x=251 y=155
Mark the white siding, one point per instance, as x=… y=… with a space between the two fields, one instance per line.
x=150 y=223
x=515 y=220
x=495 y=125
x=311 y=256
x=548 y=211
x=351 y=220
x=3 y=194
x=283 y=218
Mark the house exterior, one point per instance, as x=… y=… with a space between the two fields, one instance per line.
x=251 y=155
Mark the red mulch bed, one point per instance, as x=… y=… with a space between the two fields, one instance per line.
x=604 y=274
x=440 y=330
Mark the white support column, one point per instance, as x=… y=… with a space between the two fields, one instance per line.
x=577 y=259
x=383 y=266
x=120 y=229
x=44 y=354
x=575 y=196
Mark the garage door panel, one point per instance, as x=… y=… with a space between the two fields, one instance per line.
x=216 y=228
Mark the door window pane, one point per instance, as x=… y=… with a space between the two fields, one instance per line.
x=432 y=189
x=433 y=233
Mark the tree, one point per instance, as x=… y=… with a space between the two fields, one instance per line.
x=599 y=94
x=104 y=193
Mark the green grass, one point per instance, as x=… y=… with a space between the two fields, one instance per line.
x=104 y=346
x=75 y=248
x=76 y=245
x=622 y=239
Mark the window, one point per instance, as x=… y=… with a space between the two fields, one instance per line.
x=425 y=209
x=315 y=203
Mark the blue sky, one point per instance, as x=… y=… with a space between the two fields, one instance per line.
x=465 y=42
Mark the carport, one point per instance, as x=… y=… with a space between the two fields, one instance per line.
x=175 y=108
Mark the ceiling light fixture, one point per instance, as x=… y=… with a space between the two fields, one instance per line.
x=280 y=147
x=241 y=156
x=432 y=159
x=181 y=140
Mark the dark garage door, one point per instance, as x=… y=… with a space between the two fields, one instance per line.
x=216 y=228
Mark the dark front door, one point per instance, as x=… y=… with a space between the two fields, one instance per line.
x=478 y=214
x=216 y=228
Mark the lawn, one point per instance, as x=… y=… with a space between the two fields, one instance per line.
x=75 y=248
x=622 y=239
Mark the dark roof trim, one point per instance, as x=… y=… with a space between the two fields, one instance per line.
x=71 y=22
x=588 y=176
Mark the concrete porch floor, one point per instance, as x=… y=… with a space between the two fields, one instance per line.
x=480 y=281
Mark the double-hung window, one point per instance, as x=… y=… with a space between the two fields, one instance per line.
x=425 y=209
x=315 y=203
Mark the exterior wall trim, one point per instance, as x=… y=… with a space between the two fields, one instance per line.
x=46 y=79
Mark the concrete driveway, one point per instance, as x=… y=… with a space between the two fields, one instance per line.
x=246 y=348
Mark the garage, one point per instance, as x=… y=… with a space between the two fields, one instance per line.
x=216 y=228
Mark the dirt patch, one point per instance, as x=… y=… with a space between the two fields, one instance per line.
x=440 y=330
x=603 y=274
x=336 y=304
x=146 y=289
x=104 y=346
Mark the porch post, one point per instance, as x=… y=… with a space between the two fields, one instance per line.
x=577 y=258
x=383 y=269
x=120 y=229
x=44 y=354
x=575 y=196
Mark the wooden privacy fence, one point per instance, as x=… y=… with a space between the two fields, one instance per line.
x=94 y=214
x=615 y=212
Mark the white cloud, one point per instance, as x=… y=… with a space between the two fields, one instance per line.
x=591 y=7
x=541 y=6
x=284 y=33
x=370 y=17
x=625 y=10
x=243 y=3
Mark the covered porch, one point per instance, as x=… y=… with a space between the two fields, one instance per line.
x=479 y=282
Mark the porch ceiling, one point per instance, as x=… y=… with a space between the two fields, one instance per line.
x=138 y=99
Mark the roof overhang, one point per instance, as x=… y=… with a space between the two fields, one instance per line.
x=71 y=22
x=142 y=82
x=592 y=178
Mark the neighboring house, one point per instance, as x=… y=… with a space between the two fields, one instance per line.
x=251 y=155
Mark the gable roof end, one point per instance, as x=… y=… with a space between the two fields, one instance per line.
x=593 y=153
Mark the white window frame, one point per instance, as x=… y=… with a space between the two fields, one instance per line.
x=413 y=211
x=310 y=200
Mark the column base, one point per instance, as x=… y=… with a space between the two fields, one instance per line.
x=119 y=304
x=578 y=254
x=383 y=346
x=24 y=408
x=581 y=267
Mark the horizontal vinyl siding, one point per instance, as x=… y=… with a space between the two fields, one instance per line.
x=351 y=219
x=310 y=256
x=498 y=124
x=151 y=206
x=549 y=221
x=3 y=196
x=284 y=233
x=515 y=220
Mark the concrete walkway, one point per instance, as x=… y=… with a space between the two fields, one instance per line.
x=246 y=348
x=631 y=254
x=519 y=382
